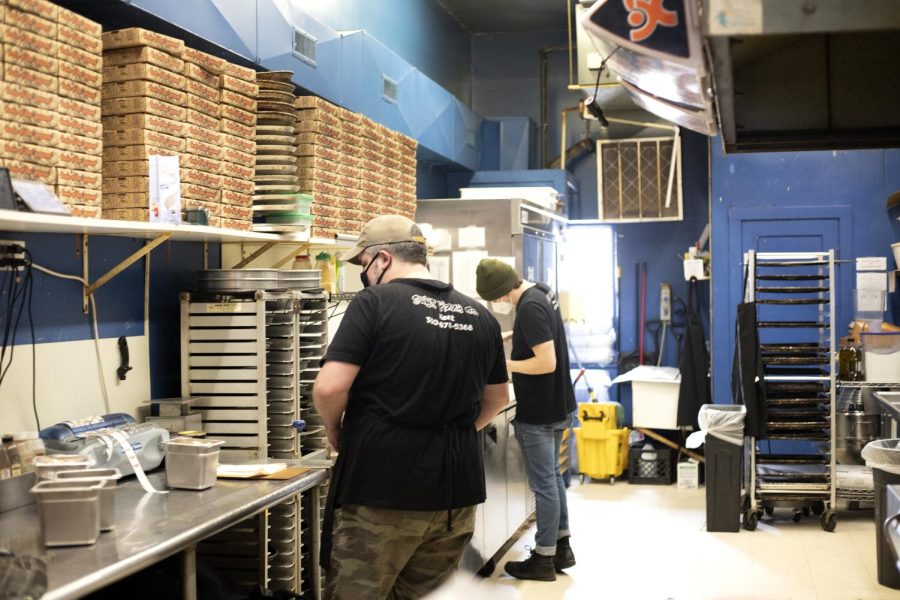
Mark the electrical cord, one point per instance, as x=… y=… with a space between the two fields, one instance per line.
x=93 y=306
x=20 y=291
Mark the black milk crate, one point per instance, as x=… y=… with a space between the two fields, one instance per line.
x=656 y=471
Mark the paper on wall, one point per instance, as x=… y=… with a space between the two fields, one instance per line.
x=440 y=239
x=464 y=264
x=872 y=280
x=471 y=237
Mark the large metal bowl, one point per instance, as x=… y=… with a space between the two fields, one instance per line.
x=854 y=430
x=237 y=280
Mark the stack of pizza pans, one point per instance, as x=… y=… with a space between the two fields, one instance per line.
x=277 y=205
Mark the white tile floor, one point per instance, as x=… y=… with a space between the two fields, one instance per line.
x=649 y=542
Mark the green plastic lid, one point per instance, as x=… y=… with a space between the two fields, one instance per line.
x=323 y=256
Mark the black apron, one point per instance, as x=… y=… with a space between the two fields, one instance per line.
x=747 y=377
x=694 y=390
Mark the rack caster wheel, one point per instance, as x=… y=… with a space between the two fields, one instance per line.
x=612 y=481
x=806 y=511
x=745 y=503
x=581 y=479
x=798 y=516
x=769 y=510
x=829 y=520
x=751 y=520
x=818 y=508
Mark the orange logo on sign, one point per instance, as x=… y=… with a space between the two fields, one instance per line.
x=645 y=15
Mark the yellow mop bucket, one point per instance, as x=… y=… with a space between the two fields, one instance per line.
x=602 y=449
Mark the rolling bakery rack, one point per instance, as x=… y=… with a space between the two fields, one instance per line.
x=794 y=294
x=251 y=341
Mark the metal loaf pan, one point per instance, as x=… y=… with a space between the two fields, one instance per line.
x=69 y=511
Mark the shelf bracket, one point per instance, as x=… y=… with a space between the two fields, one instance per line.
x=259 y=252
x=290 y=255
x=135 y=256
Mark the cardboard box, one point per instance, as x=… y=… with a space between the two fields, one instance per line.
x=236 y=171
x=88 y=60
x=78 y=143
x=213 y=64
x=238 y=86
x=18 y=94
x=240 y=72
x=320 y=151
x=245 y=103
x=83 y=110
x=126 y=168
x=29 y=78
x=29 y=153
x=209 y=180
x=314 y=102
x=79 y=161
x=32 y=60
x=83 y=211
x=141 y=137
x=238 y=187
x=143 y=104
x=29 y=134
x=203 y=105
x=135 y=153
x=127 y=214
x=138 y=87
x=203 y=149
x=241 y=130
x=144 y=121
x=83 y=94
x=322 y=139
x=195 y=117
x=135 y=36
x=237 y=157
x=144 y=71
x=82 y=179
x=238 y=225
x=239 y=213
x=88 y=77
x=242 y=116
x=19 y=169
x=42 y=8
x=20 y=19
x=13 y=36
x=139 y=201
x=125 y=185
x=202 y=91
x=197 y=73
x=318 y=127
x=143 y=54
x=88 y=128
x=200 y=163
x=80 y=38
x=73 y=20
x=243 y=145
x=196 y=132
x=20 y=113
x=199 y=192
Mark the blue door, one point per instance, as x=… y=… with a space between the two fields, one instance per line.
x=777 y=229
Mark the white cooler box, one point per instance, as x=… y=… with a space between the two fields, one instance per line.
x=654 y=396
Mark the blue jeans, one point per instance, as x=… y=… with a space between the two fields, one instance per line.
x=540 y=448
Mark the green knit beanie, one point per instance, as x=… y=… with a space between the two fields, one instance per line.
x=494 y=279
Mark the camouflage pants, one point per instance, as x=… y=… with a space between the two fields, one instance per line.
x=396 y=554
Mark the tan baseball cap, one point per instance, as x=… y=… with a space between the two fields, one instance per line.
x=386 y=229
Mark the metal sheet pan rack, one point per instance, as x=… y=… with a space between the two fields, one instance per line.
x=794 y=293
x=249 y=359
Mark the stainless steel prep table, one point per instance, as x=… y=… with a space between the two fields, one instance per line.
x=150 y=528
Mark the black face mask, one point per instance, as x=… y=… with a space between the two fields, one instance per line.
x=365 y=280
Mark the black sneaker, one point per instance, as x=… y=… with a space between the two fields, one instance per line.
x=536 y=567
x=564 y=558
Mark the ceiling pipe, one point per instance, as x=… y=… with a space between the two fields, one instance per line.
x=544 y=53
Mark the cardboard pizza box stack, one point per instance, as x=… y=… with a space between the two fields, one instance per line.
x=239 y=92
x=354 y=168
x=144 y=114
x=50 y=103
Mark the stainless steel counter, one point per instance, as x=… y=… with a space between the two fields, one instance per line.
x=149 y=528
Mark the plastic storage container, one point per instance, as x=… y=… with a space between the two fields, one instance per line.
x=882 y=356
x=107 y=477
x=69 y=511
x=47 y=467
x=191 y=463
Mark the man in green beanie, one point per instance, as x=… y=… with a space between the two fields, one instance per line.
x=545 y=400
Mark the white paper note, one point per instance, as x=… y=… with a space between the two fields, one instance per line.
x=871 y=280
x=464 y=264
x=440 y=239
x=440 y=267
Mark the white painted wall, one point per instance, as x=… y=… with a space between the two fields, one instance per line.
x=68 y=384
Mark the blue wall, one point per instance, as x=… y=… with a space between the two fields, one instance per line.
x=58 y=315
x=860 y=179
x=421 y=32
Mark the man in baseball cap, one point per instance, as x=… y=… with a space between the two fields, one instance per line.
x=414 y=371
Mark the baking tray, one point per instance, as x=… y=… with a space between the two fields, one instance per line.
x=276 y=118
x=273 y=85
x=792 y=325
x=795 y=387
x=277 y=95
x=773 y=277
x=275 y=140
x=793 y=289
x=794 y=301
x=283 y=130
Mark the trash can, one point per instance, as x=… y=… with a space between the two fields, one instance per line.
x=722 y=431
x=883 y=456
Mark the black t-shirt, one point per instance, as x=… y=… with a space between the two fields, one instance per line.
x=541 y=399
x=408 y=440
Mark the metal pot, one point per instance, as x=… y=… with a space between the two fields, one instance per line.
x=854 y=430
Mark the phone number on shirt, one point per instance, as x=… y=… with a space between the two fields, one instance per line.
x=449 y=325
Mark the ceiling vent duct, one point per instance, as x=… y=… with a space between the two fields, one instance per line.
x=305 y=47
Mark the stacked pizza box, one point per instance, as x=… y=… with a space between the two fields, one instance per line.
x=50 y=68
x=354 y=168
x=144 y=115
x=239 y=92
